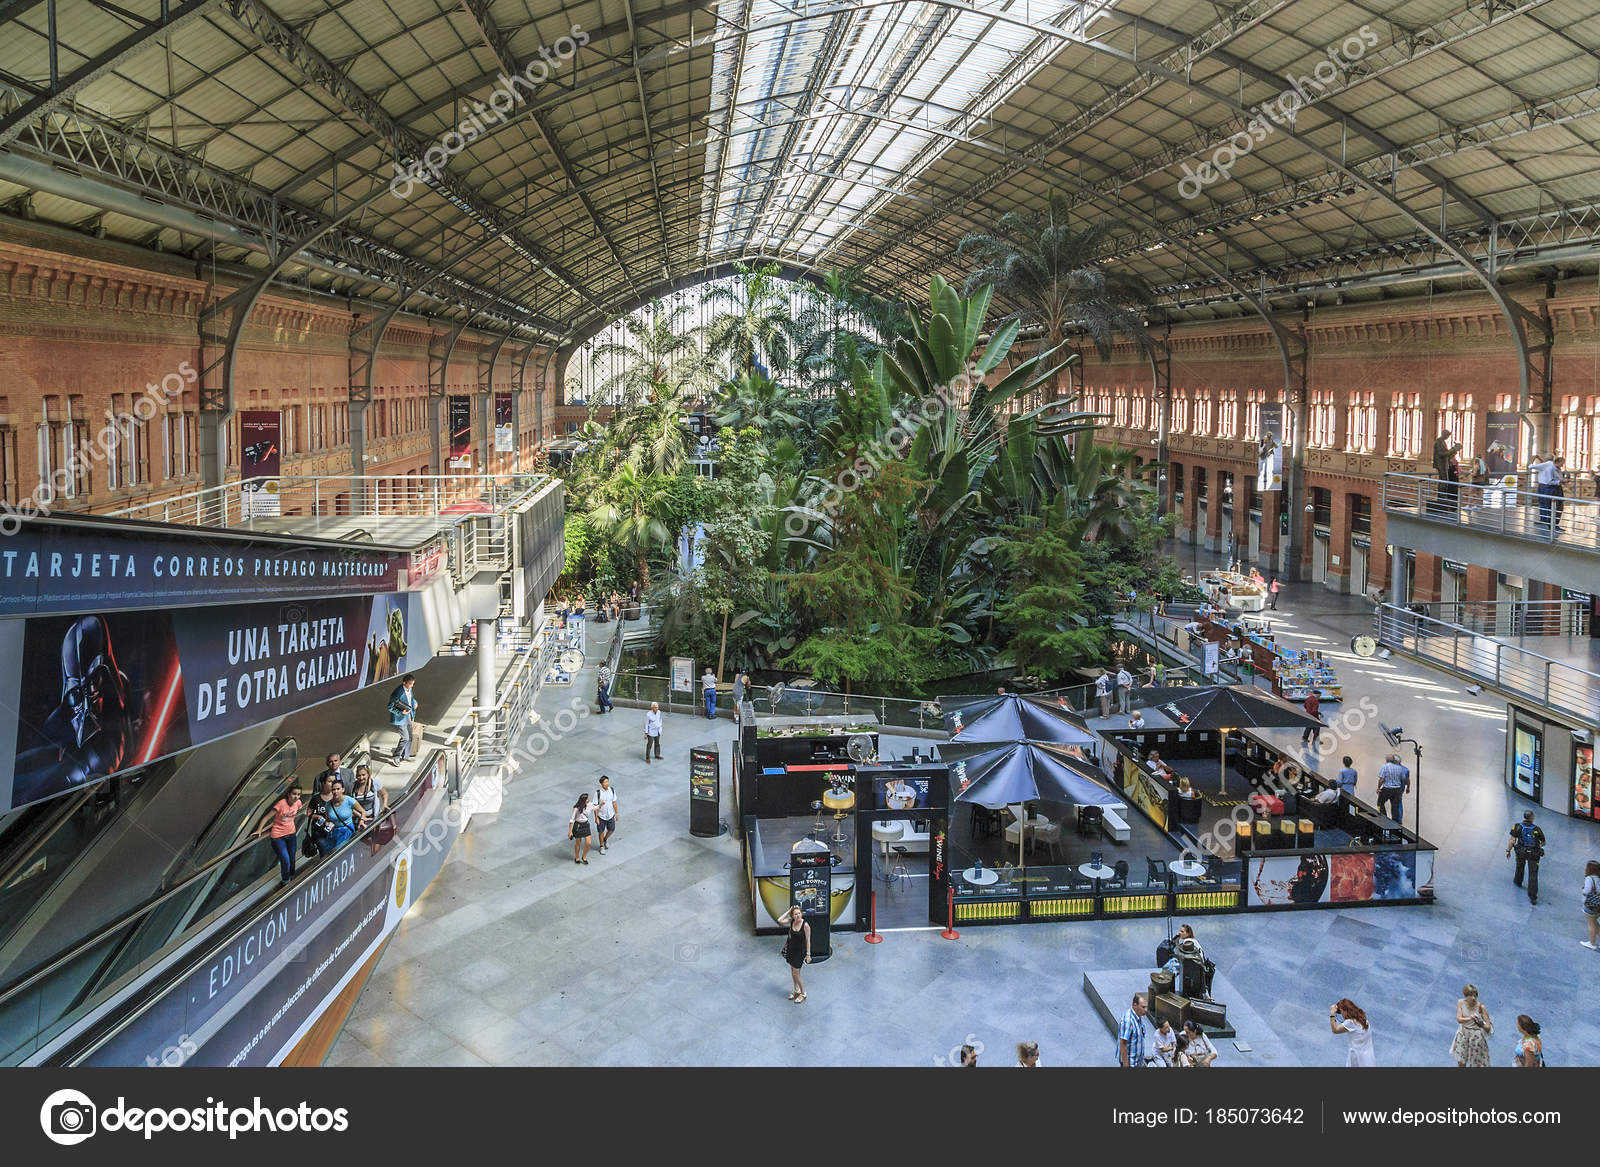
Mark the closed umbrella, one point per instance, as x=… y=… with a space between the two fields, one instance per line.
x=1012 y=773
x=1014 y=718
x=1220 y=708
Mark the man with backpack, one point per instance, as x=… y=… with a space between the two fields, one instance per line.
x=603 y=688
x=1527 y=841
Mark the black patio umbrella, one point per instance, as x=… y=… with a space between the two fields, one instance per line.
x=1015 y=718
x=1011 y=773
x=1220 y=708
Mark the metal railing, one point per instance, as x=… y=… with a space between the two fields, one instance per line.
x=1519 y=512
x=331 y=500
x=1557 y=685
x=1512 y=618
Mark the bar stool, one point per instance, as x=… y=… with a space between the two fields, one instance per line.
x=899 y=873
x=816 y=809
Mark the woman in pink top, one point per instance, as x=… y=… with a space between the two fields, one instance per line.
x=281 y=821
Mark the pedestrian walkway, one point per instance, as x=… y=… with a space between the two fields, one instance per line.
x=517 y=956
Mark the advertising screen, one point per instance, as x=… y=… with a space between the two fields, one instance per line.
x=1527 y=761
x=1583 y=782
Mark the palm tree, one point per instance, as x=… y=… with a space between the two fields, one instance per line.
x=756 y=399
x=754 y=326
x=656 y=348
x=839 y=321
x=629 y=516
x=654 y=434
x=1038 y=261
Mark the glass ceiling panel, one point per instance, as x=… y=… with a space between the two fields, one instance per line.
x=833 y=115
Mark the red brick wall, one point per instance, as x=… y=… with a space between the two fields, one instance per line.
x=77 y=330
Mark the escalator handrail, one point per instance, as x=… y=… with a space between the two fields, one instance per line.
x=97 y=1034
x=264 y=756
x=27 y=980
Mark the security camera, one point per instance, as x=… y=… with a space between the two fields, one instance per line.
x=1474 y=689
x=1391 y=732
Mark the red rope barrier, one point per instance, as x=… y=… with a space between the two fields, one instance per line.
x=872 y=935
x=950 y=932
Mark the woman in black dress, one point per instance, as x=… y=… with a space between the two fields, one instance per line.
x=578 y=829
x=796 y=948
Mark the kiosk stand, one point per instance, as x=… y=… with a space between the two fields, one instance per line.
x=811 y=887
x=705 y=792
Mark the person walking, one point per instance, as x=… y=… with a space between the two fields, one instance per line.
x=796 y=948
x=279 y=824
x=1124 y=690
x=1347 y=777
x=1470 y=1048
x=1028 y=1055
x=605 y=813
x=1130 y=1034
x=1527 y=840
x=402 y=715
x=1530 y=1046
x=1394 y=780
x=1591 y=903
x=1272 y=592
x=603 y=688
x=578 y=829
x=652 y=731
x=1314 y=709
x=708 y=686
x=1102 y=690
x=1347 y=1017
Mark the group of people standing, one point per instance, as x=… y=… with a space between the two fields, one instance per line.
x=344 y=802
x=593 y=822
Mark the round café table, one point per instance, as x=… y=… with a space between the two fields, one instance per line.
x=885 y=833
x=981 y=878
x=1096 y=872
x=1188 y=868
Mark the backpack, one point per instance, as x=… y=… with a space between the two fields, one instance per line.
x=1528 y=840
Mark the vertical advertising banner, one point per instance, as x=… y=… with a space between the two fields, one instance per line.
x=505 y=439
x=460 y=433
x=1502 y=454
x=1269 y=451
x=261 y=447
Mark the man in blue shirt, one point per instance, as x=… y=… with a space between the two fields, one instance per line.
x=1347 y=777
x=402 y=711
x=1130 y=1034
x=1393 y=781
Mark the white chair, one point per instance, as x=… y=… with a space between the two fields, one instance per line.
x=1050 y=835
x=1020 y=826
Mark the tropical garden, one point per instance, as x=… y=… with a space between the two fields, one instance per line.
x=903 y=492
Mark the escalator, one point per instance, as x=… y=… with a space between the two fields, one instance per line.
x=80 y=915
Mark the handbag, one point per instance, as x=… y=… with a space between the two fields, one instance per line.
x=1591 y=901
x=308 y=846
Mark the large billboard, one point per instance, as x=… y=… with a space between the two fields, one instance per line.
x=108 y=692
x=62 y=566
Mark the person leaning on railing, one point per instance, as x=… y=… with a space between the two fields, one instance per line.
x=279 y=824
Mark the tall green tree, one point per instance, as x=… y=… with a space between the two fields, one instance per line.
x=1045 y=609
x=1038 y=261
x=635 y=512
x=657 y=347
x=753 y=325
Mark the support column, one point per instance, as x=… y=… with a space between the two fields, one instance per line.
x=1339 y=550
x=1241 y=518
x=1397 y=577
x=1214 y=509
x=1426 y=585
x=1294 y=474
x=486 y=678
x=1189 y=520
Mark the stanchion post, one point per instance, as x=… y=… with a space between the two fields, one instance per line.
x=950 y=932
x=873 y=936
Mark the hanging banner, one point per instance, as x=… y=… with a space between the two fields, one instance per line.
x=67 y=565
x=1269 y=450
x=101 y=694
x=260 y=449
x=460 y=433
x=505 y=440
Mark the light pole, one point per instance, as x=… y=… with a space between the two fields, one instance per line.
x=1393 y=734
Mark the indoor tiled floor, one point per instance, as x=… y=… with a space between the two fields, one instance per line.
x=516 y=956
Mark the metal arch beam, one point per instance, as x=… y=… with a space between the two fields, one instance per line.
x=649 y=132
x=301 y=55
x=478 y=12
x=1520 y=319
x=170 y=19
x=463 y=91
x=215 y=389
x=487 y=359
